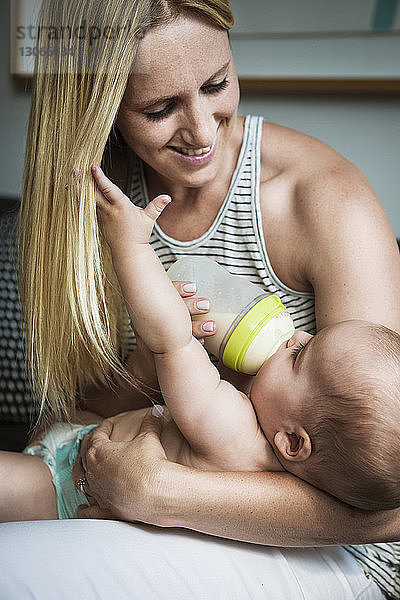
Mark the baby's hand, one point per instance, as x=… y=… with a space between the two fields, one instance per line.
x=121 y=222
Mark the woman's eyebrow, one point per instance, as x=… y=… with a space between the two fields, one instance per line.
x=155 y=101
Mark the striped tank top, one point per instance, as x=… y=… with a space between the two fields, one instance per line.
x=236 y=241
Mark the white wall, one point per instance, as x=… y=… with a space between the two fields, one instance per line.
x=366 y=130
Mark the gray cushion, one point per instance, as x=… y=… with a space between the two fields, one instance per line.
x=15 y=392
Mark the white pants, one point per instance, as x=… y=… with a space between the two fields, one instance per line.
x=107 y=560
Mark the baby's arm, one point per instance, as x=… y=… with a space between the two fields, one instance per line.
x=157 y=312
x=216 y=419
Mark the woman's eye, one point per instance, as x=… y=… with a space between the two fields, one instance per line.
x=159 y=114
x=214 y=88
x=211 y=88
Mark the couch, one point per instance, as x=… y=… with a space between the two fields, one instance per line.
x=17 y=410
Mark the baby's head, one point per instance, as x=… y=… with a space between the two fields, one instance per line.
x=330 y=407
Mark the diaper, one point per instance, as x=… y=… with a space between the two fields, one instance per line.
x=59 y=450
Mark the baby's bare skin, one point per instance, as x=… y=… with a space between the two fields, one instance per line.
x=126 y=424
x=126 y=428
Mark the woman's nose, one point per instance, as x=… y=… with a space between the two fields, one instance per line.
x=200 y=127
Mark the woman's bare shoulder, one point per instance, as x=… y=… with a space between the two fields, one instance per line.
x=285 y=150
x=315 y=178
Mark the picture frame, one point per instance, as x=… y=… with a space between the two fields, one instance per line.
x=23 y=18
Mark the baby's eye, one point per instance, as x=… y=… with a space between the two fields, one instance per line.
x=296 y=349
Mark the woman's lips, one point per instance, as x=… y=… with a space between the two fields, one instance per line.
x=194 y=156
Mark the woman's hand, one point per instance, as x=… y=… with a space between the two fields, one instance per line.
x=196 y=306
x=124 y=479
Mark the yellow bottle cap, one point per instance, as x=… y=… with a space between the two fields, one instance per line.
x=248 y=328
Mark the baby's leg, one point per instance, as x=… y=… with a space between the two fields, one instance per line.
x=26 y=488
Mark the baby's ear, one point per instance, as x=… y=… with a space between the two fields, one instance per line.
x=294 y=445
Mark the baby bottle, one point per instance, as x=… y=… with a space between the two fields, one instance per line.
x=251 y=323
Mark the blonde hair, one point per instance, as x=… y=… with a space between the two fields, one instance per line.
x=354 y=424
x=73 y=312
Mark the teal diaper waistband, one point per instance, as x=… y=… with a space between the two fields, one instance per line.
x=68 y=497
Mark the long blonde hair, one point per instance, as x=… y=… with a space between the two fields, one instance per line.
x=72 y=307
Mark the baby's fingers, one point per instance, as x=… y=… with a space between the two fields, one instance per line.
x=156 y=206
x=109 y=192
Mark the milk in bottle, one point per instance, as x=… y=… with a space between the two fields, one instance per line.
x=251 y=323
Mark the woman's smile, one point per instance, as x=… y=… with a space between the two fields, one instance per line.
x=192 y=152
x=194 y=157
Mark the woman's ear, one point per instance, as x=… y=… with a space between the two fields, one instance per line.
x=294 y=445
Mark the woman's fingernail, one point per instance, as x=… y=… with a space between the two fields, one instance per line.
x=208 y=326
x=157 y=411
x=203 y=304
x=189 y=287
x=201 y=340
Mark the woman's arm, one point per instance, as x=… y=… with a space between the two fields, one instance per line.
x=356 y=272
x=271 y=508
x=327 y=233
x=266 y=508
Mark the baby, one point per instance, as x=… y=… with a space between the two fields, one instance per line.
x=325 y=408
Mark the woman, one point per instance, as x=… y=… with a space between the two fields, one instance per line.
x=277 y=206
